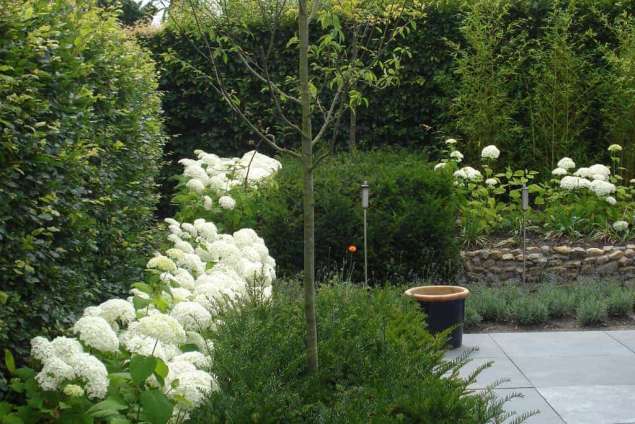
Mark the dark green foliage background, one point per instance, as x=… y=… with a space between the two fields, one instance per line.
x=411 y=220
x=80 y=146
x=377 y=364
x=415 y=113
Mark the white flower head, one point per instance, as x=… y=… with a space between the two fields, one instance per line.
x=620 y=226
x=73 y=390
x=97 y=333
x=208 y=203
x=450 y=141
x=227 y=202
x=611 y=200
x=491 y=182
x=615 y=148
x=559 y=172
x=456 y=155
x=490 y=152
x=193 y=386
x=572 y=183
x=566 y=163
x=440 y=165
x=162 y=327
x=468 y=173
x=192 y=316
x=602 y=188
x=195 y=185
x=114 y=310
x=162 y=263
x=599 y=169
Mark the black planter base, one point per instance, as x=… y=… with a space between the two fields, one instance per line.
x=444 y=315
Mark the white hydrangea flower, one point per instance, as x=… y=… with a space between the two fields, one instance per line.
x=92 y=311
x=227 y=202
x=180 y=294
x=54 y=373
x=620 y=226
x=559 y=172
x=192 y=316
x=183 y=245
x=611 y=200
x=41 y=348
x=440 y=165
x=174 y=253
x=183 y=278
x=194 y=386
x=456 y=155
x=632 y=181
x=171 y=221
x=491 y=182
x=207 y=230
x=176 y=368
x=615 y=148
x=599 y=177
x=450 y=141
x=162 y=263
x=189 y=228
x=92 y=372
x=163 y=328
x=208 y=203
x=196 y=172
x=583 y=173
x=97 y=333
x=192 y=262
x=602 y=188
x=114 y=310
x=490 y=152
x=196 y=358
x=73 y=390
x=195 y=185
x=572 y=183
x=246 y=237
x=566 y=163
x=468 y=173
x=64 y=347
x=599 y=169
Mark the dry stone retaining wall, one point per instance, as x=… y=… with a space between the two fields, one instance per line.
x=564 y=261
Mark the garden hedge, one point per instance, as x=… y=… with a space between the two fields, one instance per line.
x=80 y=146
x=417 y=113
x=412 y=230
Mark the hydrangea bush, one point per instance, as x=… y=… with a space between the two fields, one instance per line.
x=575 y=202
x=145 y=358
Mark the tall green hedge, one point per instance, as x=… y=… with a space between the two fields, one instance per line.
x=80 y=146
x=437 y=94
x=411 y=219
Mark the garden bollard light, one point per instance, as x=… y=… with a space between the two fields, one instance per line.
x=365 y=207
x=525 y=207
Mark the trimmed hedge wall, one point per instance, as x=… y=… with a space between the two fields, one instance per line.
x=418 y=112
x=80 y=146
x=412 y=231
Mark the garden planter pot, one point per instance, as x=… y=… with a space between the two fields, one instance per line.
x=444 y=307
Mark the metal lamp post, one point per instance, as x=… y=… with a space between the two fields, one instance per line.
x=365 y=208
x=525 y=207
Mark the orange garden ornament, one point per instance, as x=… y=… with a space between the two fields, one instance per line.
x=352 y=249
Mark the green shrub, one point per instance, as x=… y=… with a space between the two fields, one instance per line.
x=377 y=363
x=530 y=310
x=619 y=302
x=411 y=219
x=591 y=311
x=80 y=145
x=491 y=305
x=560 y=301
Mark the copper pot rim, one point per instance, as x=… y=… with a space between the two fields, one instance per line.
x=437 y=293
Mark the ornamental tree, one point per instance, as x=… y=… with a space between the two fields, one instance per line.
x=340 y=44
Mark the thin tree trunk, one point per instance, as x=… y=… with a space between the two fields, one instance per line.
x=309 y=202
x=352 y=132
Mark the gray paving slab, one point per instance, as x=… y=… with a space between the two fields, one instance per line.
x=577 y=370
x=485 y=345
x=592 y=404
x=531 y=401
x=625 y=337
x=502 y=368
x=559 y=343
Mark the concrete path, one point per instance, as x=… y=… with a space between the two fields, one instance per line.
x=572 y=377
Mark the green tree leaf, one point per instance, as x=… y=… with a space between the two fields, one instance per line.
x=9 y=361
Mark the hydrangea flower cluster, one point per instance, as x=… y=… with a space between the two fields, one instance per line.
x=594 y=178
x=202 y=269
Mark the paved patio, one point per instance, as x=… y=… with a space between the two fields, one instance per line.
x=572 y=377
